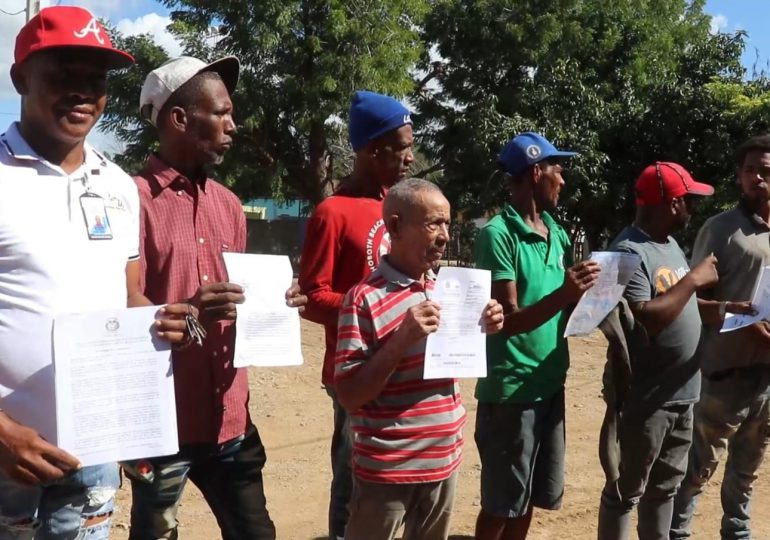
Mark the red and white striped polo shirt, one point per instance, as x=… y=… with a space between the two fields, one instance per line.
x=412 y=431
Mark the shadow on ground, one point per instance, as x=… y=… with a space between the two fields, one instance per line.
x=453 y=537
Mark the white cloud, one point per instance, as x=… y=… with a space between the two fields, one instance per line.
x=152 y=24
x=155 y=25
x=9 y=27
x=718 y=23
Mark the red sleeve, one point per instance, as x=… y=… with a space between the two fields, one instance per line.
x=317 y=265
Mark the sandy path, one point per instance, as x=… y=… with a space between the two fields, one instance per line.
x=293 y=414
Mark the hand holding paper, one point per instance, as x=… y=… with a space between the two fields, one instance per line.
x=760 y=301
x=267 y=330
x=115 y=396
x=458 y=347
x=616 y=271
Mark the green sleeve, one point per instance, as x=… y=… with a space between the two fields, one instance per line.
x=569 y=257
x=494 y=251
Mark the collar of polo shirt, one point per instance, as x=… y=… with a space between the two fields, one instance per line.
x=20 y=149
x=399 y=278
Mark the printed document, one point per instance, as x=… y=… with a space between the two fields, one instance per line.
x=760 y=301
x=114 y=386
x=601 y=299
x=267 y=331
x=459 y=347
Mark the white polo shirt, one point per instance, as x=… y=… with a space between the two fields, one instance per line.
x=49 y=265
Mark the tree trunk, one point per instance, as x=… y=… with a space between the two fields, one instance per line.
x=319 y=181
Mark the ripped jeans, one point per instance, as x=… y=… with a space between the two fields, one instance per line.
x=78 y=507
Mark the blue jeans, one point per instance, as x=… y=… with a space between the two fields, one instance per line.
x=342 y=473
x=228 y=475
x=60 y=510
x=734 y=416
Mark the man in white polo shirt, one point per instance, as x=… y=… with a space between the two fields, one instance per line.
x=69 y=241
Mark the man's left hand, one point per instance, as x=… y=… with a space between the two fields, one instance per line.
x=493 y=317
x=295 y=298
x=171 y=324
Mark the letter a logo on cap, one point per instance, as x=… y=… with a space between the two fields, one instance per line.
x=91 y=28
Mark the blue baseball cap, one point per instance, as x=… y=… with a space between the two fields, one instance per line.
x=526 y=149
x=372 y=115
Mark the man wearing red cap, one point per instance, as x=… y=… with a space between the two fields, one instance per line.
x=52 y=262
x=655 y=427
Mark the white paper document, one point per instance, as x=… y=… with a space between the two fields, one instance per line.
x=114 y=386
x=760 y=301
x=459 y=347
x=267 y=331
x=601 y=299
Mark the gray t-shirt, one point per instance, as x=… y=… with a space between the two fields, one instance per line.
x=741 y=242
x=665 y=369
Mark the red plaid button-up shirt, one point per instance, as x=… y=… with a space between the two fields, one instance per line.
x=185 y=227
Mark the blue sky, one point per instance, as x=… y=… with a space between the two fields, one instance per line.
x=143 y=16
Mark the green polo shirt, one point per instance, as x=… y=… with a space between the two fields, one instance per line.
x=531 y=366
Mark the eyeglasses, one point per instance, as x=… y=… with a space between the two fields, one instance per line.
x=660 y=180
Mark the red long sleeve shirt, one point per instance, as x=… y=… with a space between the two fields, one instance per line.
x=345 y=238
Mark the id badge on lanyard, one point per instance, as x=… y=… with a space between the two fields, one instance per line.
x=95 y=215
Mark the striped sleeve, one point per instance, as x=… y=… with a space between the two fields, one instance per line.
x=354 y=334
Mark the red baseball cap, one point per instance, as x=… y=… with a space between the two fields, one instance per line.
x=67 y=26
x=663 y=181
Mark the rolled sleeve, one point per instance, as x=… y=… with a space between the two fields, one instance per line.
x=639 y=289
x=354 y=335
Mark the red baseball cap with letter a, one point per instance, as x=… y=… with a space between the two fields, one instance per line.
x=67 y=26
x=663 y=181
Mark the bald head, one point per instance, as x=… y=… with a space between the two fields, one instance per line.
x=405 y=197
x=417 y=217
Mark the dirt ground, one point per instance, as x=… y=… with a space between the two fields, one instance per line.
x=293 y=414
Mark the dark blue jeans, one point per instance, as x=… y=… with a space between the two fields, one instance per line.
x=342 y=474
x=228 y=475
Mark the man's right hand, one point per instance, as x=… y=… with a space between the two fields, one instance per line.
x=705 y=276
x=217 y=301
x=419 y=321
x=579 y=278
x=28 y=458
x=760 y=332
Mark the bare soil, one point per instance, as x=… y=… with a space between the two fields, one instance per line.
x=294 y=417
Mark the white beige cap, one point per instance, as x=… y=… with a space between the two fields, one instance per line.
x=165 y=80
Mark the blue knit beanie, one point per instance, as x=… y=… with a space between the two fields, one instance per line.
x=372 y=116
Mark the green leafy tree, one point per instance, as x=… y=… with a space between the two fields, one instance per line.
x=624 y=83
x=302 y=60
